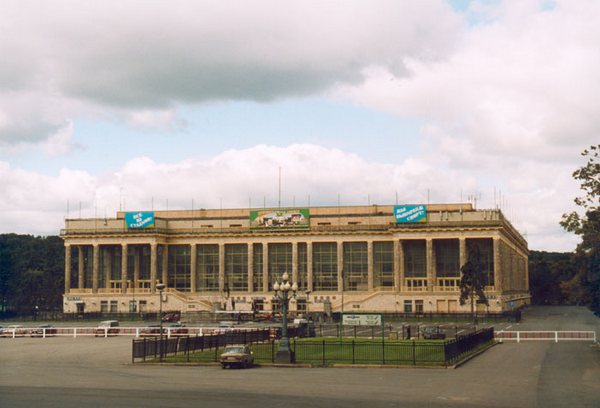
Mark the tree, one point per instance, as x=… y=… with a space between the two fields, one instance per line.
x=472 y=281
x=586 y=283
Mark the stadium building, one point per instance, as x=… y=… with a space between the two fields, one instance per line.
x=403 y=258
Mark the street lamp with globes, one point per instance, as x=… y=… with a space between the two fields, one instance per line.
x=160 y=287
x=282 y=292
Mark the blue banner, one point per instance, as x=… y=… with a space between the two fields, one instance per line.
x=139 y=219
x=410 y=213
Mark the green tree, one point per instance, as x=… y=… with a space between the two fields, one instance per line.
x=472 y=281
x=585 y=285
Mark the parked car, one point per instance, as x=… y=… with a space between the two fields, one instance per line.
x=177 y=329
x=16 y=330
x=433 y=333
x=151 y=330
x=238 y=355
x=107 y=328
x=43 y=329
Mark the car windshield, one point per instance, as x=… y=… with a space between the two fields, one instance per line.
x=234 y=350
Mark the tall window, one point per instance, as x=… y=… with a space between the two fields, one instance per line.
x=325 y=266
x=236 y=267
x=447 y=258
x=356 y=265
x=383 y=264
x=179 y=267
x=486 y=256
x=207 y=268
x=302 y=266
x=257 y=262
x=414 y=259
x=280 y=261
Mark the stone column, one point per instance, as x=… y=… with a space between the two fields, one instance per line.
x=370 y=265
x=193 y=267
x=95 y=267
x=309 y=266
x=398 y=266
x=294 y=262
x=462 y=252
x=165 y=265
x=136 y=267
x=497 y=267
x=250 y=267
x=265 y=270
x=340 y=267
x=67 y=269
x=106 y=254
x=153 y=266
x=430 y=259
x=124 y=265
x=80 y=279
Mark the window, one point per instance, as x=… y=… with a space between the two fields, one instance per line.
x=383 y=264
x=236 y=267
x=280 y=261
x=103 y=306
x=446 y=258
x=418 y=306
x=486 y=256
x=301 y=305
x=132 y=306
x=408 y=306
x=356 y=266
x=414 y=259
x=179 y=267
x=325 y=266
x=114 y=306
x=258 y=305
x=207 y=268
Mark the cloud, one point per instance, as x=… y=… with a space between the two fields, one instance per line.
x=123 y=58
x=240 y=178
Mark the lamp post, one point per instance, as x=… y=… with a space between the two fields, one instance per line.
x=160 y=287
x=282 y=292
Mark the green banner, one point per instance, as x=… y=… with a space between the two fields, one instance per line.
x=289 y=218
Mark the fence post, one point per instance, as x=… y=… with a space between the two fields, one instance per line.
x=518 y=336
x=323 y=351
x=556 y=337
x=353 y=357
x=414 y=343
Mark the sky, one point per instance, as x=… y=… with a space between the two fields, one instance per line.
x=153 y=105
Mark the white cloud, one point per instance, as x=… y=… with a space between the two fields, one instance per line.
x=237 y=177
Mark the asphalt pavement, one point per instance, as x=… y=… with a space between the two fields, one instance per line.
x=97 y=372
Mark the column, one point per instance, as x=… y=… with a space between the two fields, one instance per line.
x=265 y=270
x=153 y=266
x=497 y=268
x=340 y=267
x=430 y=259
x=462 y=252
x=67 y=268
x=398 y=266
x=193 y=262
x=294 y=262
x=106 y=254
x=80 y=280
x=309 y=266
x=165 y=265
x=370 y=265
x=221 y=267
x=95 y=267
x=250 y=267
x=124 y=263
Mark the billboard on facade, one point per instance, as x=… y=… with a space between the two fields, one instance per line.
x=139 y=219
x=289 y=218
x=410 y=213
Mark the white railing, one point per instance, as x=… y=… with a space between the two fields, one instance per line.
x=555 y=336
x=45 y=332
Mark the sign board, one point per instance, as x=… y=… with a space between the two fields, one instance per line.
x=139 y=219
x=361 y=319
x=410 y=213
x=288 y=218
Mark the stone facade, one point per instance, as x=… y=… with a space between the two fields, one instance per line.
x=350 y=259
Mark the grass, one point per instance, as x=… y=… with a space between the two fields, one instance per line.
x=329 y=351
